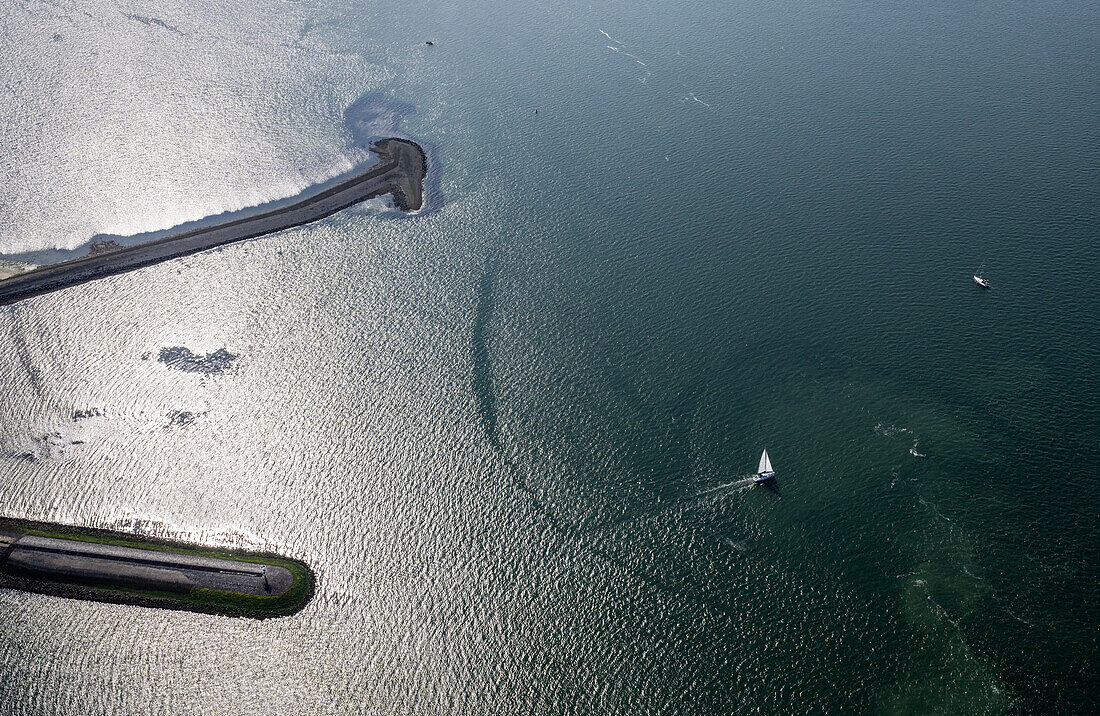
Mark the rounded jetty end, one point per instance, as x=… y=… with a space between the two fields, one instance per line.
x=411 y=166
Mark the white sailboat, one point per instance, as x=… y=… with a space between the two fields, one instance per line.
x=978 y=278
x=764 y=471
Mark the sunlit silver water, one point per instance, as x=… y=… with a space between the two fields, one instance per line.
x=511 y=433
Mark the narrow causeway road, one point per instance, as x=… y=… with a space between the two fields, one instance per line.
x=69 y=561
x=400 y=171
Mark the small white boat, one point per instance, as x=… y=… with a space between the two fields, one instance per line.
x=764 y=471
x=978 y=277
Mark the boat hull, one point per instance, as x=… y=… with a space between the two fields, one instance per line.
x=981 y=282
x=763 y=476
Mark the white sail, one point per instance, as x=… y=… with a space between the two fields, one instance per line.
x=765 y=463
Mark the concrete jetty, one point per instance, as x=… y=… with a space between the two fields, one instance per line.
x=106 y=566
x=400 y=172
x=65 y=560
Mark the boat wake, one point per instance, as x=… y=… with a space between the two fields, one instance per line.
x=617 y=46
x=742 y=483
x=609 y=37
x=893 y=431
x=691 y=96
x=890 y=431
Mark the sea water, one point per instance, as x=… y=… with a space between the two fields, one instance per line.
x=512 y=434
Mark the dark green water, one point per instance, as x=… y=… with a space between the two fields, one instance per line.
x=513 y=434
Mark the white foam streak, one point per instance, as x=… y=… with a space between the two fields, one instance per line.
x=691 y=96
x=729 y=485
x=609 y=37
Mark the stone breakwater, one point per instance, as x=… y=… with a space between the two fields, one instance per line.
x=400 y=171
x=116 y=567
